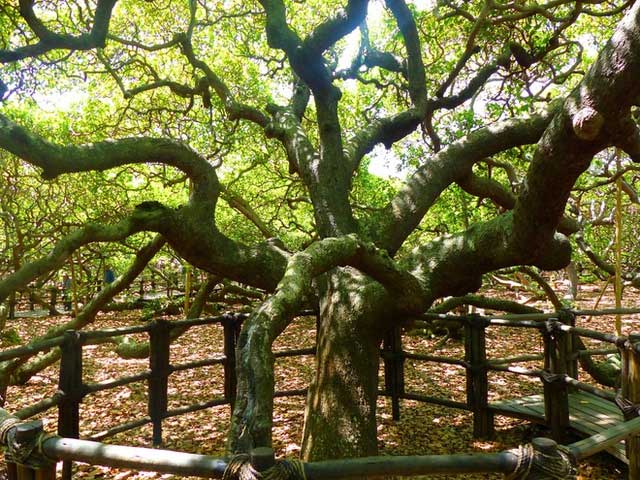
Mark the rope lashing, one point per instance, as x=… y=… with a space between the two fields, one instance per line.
x=629 y=409
x=549 y=377
x=24 y=449
x=549 y=462
x=524 y=455
x=7 y=424
x=240 y=468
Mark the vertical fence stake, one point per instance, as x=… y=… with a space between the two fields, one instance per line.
x=159 y=341
x=568 y=344
x=475 y=352
x=262 y=458
x=393 y=357
x=53 y=299
x=70 y=384
x=631 y=394
x=231 y=328
x=556 y=392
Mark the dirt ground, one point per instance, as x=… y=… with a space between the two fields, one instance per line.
x=423 y=428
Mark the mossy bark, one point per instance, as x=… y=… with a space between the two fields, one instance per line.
x=340 y=420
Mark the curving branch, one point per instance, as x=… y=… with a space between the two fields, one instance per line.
x=593 y=118
x=453 y=163
x=90 y=233
x=55 y=160
x=252 y=415
x=343 y=22
x=21 y=372
x=49 y=40
x=415 y=66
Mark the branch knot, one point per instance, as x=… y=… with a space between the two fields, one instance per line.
x=587 y=123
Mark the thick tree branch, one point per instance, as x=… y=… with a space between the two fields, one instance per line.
x=69 y=244
x=343 y=22
x=54 y=41
x=252 y=416
x=410 y=205
x=415 y=66
x=55 y=160
x=592 y=118
x=86 y=316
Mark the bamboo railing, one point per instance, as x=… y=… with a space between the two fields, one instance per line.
x=558 y=376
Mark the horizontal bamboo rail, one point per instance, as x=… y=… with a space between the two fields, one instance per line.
x=603 y=440
x=476 y=365
x=585 y=387
x=118 y=382
x=207 y=362
x=39 y=407
x=178 y=463
x=435 y=359
x=189 y=464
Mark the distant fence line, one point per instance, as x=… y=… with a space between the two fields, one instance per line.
x=560 y=372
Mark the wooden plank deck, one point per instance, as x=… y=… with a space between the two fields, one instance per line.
x=588 y=414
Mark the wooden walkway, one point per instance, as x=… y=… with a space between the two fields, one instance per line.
x=588 y=414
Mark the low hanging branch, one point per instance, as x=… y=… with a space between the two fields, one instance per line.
x=483 y=302
x=127 y=347
x=20 y=373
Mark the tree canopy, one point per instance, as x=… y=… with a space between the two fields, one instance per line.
x=363 y=158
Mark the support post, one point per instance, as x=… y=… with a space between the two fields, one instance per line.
x=262 y=458
x=556 y=392
x=23 y=457
x=475 y=352
x=53 y=299
x=160 y=342
x=393 y=357
x=32 y=297
x=71 y=385
x=231 y=331
x=12 y=306
x=567 y=342
x=631 y=397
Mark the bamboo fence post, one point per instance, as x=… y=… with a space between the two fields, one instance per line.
x=630 y=392
x=393 y=357
x=556 y=392
x=231 y=330
x=160 y=342
x=618 y=248
x=567 y=342
x=71 y=385
x=475 y=348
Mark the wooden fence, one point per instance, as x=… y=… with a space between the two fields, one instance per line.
x=559 y=375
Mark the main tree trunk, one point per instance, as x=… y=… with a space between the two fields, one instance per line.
x=340 y=419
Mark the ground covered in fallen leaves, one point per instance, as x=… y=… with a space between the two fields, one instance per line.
x=423 y=428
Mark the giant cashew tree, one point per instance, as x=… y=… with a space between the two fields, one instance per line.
x=506 y=102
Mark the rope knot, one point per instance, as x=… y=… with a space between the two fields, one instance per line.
x=542 y=458
x=240 y=468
